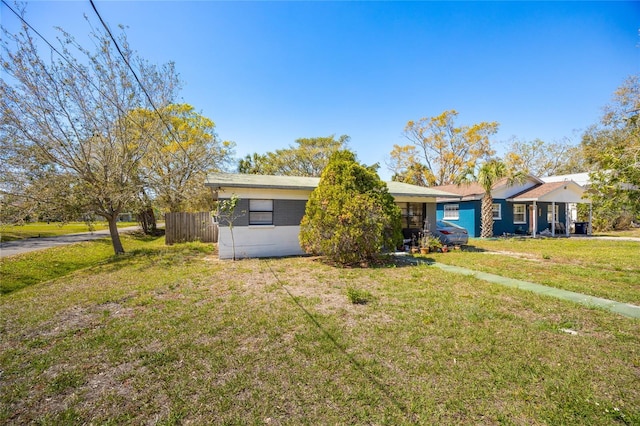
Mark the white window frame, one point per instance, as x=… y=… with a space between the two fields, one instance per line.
x=451 y=212
x=523 y=213
x=260 y=212
x=498 y=210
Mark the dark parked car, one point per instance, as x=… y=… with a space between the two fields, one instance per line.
x=451 y=234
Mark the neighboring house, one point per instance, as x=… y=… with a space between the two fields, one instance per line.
x=125 y=217
x=531 y=207
x=273 y=207
x=581 y=179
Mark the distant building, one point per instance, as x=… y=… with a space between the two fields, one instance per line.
x=528 y=208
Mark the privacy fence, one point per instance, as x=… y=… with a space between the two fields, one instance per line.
x=183 y=227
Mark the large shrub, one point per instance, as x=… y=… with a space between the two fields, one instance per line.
x=350 y=217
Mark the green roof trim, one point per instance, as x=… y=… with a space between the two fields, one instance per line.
x=231 y=180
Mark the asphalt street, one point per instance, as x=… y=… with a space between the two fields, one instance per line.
x=11 y=248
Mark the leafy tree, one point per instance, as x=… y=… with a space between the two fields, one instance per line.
x=540 y=158
x=612 y=148
x=406 y=167
x=255 y=164
x=350 y=216
x=308 y=158
x=70 y=112
x=445 y=150
x=182 y=148
x=487 y=175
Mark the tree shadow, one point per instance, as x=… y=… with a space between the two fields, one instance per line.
x=472 y=249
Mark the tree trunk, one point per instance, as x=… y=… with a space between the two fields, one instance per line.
x=147 y=220
x=115 y=236
x=486 y=224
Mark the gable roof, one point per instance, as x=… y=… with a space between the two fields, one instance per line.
x=564 y=191
x=466 y=190
x=537 y=191
x=501 y=189
x=231 y=180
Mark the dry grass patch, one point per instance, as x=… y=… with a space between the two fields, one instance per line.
x=173 y=337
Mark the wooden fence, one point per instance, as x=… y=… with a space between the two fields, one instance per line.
x=183 y=227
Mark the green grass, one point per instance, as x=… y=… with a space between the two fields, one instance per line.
x=175 y=335
x=632 y=232
x=42 y=229
x=602 y=268
x=35 y=267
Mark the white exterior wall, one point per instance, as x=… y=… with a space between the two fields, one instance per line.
x=509 y=191
x=270 y=240
x=259 y=241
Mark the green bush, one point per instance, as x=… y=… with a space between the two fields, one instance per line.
x=350 y=217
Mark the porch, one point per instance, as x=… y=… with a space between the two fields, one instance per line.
x=529 y=206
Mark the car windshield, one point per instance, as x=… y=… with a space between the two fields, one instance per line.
x=443 y=224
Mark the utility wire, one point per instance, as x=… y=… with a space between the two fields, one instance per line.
x=126 y=61
x=352 y=359
x=72 y=65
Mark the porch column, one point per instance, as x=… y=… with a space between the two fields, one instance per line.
x=566 y=219
x=535 y=219
x=553 y=218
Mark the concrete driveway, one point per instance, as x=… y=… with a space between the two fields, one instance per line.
x=11 y=248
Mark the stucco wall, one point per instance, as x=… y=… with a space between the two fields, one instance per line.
x=469 y=216
x=259 y=241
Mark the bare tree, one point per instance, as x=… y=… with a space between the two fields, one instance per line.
x=545 y=159
x=69 y=109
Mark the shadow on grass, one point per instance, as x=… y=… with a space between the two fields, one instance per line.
x=385 y=261
x=472 y=249
x=36 y=267
x=381 y=386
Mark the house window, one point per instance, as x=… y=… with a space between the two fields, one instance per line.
x=550 y=217
x=497 y=211
x=519 y=213
x=260 y=212
x=451 y=212
x=412 y=215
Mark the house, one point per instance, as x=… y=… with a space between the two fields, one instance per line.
x=581 y=179
x=531 y=207
x=273 y=208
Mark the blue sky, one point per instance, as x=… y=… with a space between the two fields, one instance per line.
x=268 y=73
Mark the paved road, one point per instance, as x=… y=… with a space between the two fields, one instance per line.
x=11 y=248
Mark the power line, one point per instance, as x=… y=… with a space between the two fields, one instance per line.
x=90 y=81
x=71 y=64
x=126 y=61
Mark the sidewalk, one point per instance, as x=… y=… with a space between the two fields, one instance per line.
x=11 y=248
x=626 y=309
x=604 y=237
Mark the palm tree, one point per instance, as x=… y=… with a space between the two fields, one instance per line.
x=487 y=176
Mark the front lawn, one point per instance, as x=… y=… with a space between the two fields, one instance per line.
x=44 y=229
x=631 y=232
x=43 y=265
x=602 y=268
x=172 y=335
